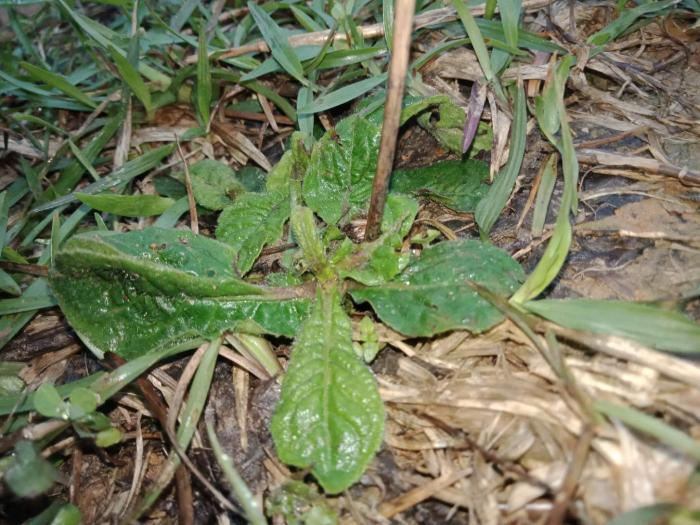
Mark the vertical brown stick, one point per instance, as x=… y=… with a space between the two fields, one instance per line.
x=401 y=45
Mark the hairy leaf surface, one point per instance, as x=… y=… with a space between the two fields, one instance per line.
x=338 y=182
x=433 y=295
x=459 y=185
x=330 y=417
x=251 y=222
x=213 y=183
x=132 y=293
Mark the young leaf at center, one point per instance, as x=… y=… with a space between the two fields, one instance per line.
x=338 y=183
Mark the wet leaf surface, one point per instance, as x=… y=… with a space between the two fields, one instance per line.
x=136 y=292
x=330 y=416
x=432 y=294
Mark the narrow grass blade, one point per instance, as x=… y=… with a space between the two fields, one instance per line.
x=490 y=9
x=305 y=20
x=649 y=515
x=105 y=37
x=132 y=78
x=479 y=46
x=652 y=326
x=127 y=205
x=58 y=82
x=4 y=207
x=244 y=496
x=124 y=174
x=204 y=91
x=558 y=247
x=72 y=174
x=278 y=43
x=388 y=21
x=510 y=18
x=652 y=426
x=342 y=95
x=191 y=412
x=544 y=195
x=170 y=216
x=8 y=284
x=83 y=161
x=490 y=207
x=306 y=120
x=625 y=20
x=177 y=22
x=27 y=86
x=263 y=90
x=39 y=297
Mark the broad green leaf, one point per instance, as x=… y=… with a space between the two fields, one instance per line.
x=28 y=474
x=251 y=222
x=58 y=82
x=299 y=503
x=127 y=205
x=399 y=213
x=278 y=43
x=58 y=513
x=459 y=185
x=338 y=183
x=142 y=291
x=82 y=402
x=383 y=264
x=432 y=294
x=342 y=95
x=330 y=417
x=133 y=79
x=10 y=383
x=253 y=178
x=384 y=261
x=305 y=232
x=490 y=207
x=291 y=167
x=649 y=325
x=48 y=402
x=214 y=184
x=108 y=437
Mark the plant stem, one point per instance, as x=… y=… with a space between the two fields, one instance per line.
x=403 y=27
